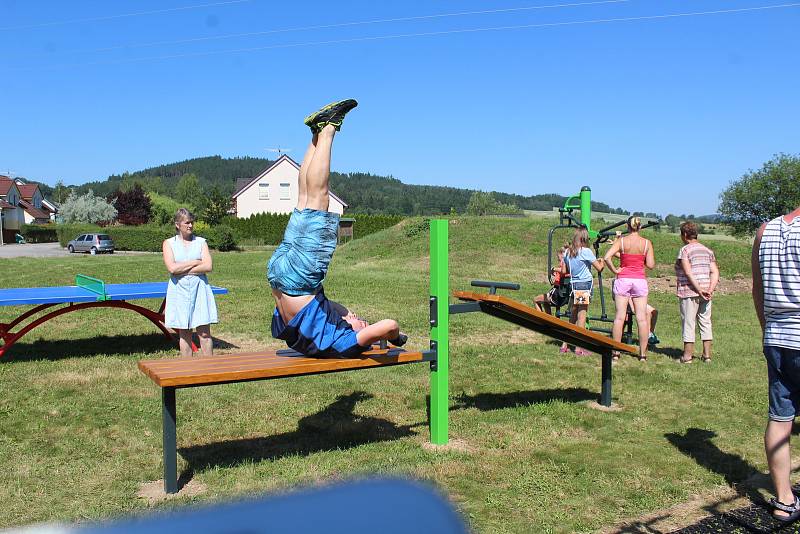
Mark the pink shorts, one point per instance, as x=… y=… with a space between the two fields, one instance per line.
x=631 y=287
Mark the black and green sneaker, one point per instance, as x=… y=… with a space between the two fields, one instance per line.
x=331 y=114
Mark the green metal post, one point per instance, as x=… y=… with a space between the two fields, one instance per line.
x=440 y=323
x=586 y=210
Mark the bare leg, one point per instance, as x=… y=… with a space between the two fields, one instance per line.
x=302 y=189
x=185 y=341
x=386 y=329
x=640 y=308
x=206 y=343
x=621 y=303
x=776 y=445
x=706 y=349
x=688 y=351
x=542 y=304
x=319 y=170
x=653 y=315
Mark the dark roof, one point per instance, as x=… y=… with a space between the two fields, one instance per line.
x=27 y=190
x=33 y=211
x=5 y=185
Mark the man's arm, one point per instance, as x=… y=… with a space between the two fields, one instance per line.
x=758 y=283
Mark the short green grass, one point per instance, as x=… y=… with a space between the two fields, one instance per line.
x=80 y=426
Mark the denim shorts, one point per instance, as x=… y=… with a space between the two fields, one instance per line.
x=783 y=366
x=299 y=264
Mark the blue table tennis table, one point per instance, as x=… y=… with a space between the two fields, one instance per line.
x=87 y=292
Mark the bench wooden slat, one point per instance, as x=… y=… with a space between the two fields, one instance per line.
x=546 y=323
x=186 y=372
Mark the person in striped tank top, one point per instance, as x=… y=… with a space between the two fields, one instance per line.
x=776 y=295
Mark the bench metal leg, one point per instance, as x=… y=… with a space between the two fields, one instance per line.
x=605 y=391
x=170 y=440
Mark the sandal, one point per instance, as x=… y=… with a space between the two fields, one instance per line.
x=706 y=359
x=582 y=352
x=684 y=359
x=642 y=358
x=792 y=509
x=614 y=355
x=564 y=350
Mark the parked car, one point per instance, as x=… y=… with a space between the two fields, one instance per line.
x=92 y=243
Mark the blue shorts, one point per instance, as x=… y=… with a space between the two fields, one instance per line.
x=783 y=366
x=318 y=330
x=299 y=264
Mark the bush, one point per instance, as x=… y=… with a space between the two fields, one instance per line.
x=144 y=238
x=221 y=238
x=268 y=228
x=37 y=233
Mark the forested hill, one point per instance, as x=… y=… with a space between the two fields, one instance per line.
x=363 y=192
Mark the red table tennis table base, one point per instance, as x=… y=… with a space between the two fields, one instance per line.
x=9 y=337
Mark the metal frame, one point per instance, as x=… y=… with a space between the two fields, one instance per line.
x=9 y=337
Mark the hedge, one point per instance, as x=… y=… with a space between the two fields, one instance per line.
x=39 y=233
x=269 y=227
x=144 y=238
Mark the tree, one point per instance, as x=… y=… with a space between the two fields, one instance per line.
x=188 y=191
x=162 y=208
x=761 y=195
x=133 y=206
x=60 y=192
x=481 y=203
x=215 y=206
x=673 y=222
x=87 y=208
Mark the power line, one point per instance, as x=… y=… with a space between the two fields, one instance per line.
x=111 y=17
x=347 y=24
x=431 y=34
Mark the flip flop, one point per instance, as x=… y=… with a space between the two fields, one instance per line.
x=792 y=509
x=684 y=359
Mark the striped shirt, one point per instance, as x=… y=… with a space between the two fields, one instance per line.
x=700 y=258
x=779 y=260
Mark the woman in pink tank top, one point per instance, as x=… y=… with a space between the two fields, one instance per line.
x=635 y=254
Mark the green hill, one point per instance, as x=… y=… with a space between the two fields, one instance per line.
x=363 y=192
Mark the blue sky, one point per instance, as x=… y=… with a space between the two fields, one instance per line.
x=655 y=112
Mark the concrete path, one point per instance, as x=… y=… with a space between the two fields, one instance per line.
x=32 y=250
x=50 y=250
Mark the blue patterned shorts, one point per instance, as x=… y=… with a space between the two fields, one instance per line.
x=299 y=264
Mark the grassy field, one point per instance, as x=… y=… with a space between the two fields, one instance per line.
x=80 y=425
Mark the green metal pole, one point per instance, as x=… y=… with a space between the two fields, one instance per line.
x=586 y=210
x=440 y=325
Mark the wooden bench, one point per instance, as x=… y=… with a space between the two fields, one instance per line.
x=175 y=373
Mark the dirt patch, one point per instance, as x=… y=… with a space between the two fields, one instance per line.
x=727 y=286
x=718 y=501
x=458 y=445
x=594 y=405
x=153 y=492
x=715 y=502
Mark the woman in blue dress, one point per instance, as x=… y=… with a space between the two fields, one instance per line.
x=190 y=302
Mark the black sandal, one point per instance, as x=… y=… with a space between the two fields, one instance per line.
x=792 y=509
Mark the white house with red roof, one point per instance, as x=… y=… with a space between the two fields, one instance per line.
x=275 y=190
x=33 y=203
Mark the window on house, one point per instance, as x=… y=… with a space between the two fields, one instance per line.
x=285 y=192
x=263 y=191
